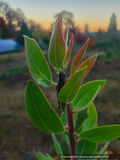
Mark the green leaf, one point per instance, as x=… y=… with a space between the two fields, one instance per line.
x=56 y=145
x=87 y=94
x=105 y=156
x=89 y=63
x=65 y=34
x=78 y=57
x=91 y=121
x=37 y=64
x=64 y=121
x=101 y=134
x=86 y=148
x=40 y=156
x=42 y=115
x=88 y=98
x=100 y=152
x=65 y=137
x=68 y=52
x=75 y=118
x=64 y=117
x=57 y=47
x=70 y=89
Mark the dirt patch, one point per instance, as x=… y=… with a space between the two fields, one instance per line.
x=18 y=136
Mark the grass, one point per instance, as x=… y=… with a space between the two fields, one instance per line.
x=13 y=71
x=12 y=64
x=17 y=130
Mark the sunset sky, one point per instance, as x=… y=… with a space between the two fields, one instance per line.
x=96 y=13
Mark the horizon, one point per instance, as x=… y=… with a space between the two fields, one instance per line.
x=95 y=13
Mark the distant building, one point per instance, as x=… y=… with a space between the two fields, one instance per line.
x=9 y=45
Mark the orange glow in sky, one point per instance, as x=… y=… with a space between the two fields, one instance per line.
x=95 y=13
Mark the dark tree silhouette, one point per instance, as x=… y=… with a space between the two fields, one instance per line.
x=3 y=28
x=24 y=31
x=113 y=24
x=86 y=32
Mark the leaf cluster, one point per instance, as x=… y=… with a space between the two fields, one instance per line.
x=81 y=97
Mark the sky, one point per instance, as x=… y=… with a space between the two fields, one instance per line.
x=95 y=13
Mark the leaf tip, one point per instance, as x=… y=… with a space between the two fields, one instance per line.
x=29 y=81
x=84 y=68
x=96 y=55
x=25 y=36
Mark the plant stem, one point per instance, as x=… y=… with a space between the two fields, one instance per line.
x=71 y=130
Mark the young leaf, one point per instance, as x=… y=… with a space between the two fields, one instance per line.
x=70 y=89
x=86 y=148
x=40 y=156
x=38 y=66
x=88 y=90
x=65 y=34
x=101 y=134
x=89 y=63
x=69 y=50
x=39 y=110
x=57 y=46
x=64 y=121
x=60 y=16
x=91 y=121
x=56 y=145
x=78 y=57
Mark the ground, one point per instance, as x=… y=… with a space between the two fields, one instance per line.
x=18 y=136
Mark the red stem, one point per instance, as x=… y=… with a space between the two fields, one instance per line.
x=71 y=130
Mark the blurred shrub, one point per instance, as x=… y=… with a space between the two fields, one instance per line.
x=14 y=71
x=103 y=44
x=46 y=40
x=108 y=61
x=117 y=68
x=43 y=46
x=109 y=54
x=8 y=59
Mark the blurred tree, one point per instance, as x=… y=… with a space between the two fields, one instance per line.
x=113 y=24
x=108 y=40
x=23 y=31
x=20 y=13
x=101 y=35
x=36 y=30
x=33 y=26
x=20 y=17
x=10 y=25
x=67 y=18
x=4 y=7
x=3 y=28
x=86 y=32
x=113 y=33
x=13 y=19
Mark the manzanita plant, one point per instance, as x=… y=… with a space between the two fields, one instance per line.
x=73 y=97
